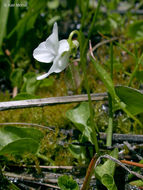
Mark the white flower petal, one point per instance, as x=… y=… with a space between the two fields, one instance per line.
x=63 y=46
x=52 y=42
x=42 y=54
x=42 y=76
x=61 y=62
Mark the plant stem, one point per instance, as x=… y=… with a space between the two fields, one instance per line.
x=94 y=19
x=93 y=126
x=138 y=62
x=43 y=157
x=110 y=122
x=89 y=173
x=83 y=60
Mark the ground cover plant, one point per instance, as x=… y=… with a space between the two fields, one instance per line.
x=82 y=47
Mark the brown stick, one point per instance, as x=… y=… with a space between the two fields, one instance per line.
x=132 y=163
x=89 y=173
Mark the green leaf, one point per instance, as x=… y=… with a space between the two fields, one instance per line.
x=139 y=75
x=47 y=82
x=108 y=181
x=80 y=116
x=12 y=137
x=16 y=77
x=135 y=30
x=67 y=183
x=105 y=77
x=27 y=22
x=131 y=97
x=53 y=4
x=30 y=83
x=106 y=171
x=77 y=151
x=137 y=183
x=25 y=96
x=4 y=10
x=11 y=133
x=20 y=147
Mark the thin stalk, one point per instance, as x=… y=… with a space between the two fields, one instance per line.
x=94 y=19
x=93 y=126
x=110 y=122
x=138 y=62
x=43 y=157
x=85 y=11
x=89 y=173
x=83 y=60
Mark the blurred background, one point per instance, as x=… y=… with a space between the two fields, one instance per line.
x=26 y=23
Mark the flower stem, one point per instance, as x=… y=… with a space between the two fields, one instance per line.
x=138 y=62
x=110 y=122
x=83 y=51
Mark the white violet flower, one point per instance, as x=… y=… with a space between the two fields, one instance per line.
x=53 y=50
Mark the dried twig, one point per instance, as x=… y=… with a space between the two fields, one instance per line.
x=50 y=101
x=89 y=173
x=29 y=124
x=47 y=167
x=132 y=163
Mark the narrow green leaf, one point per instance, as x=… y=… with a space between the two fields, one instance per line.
x=4 y=10
x=105 y=77
x=137 y=183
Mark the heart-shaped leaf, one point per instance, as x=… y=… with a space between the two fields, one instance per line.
x=80 y=116
x=131 y=97
x=19 y=140
x=20 y=147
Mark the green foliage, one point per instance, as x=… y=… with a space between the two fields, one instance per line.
x=135 y=30
x=106 y=171
x=20 y=147
x=30 y=83
x=25 y=96
x=16 y=77
x=131 y=97
x=66 y=182
x=139 y=75
x=105 y=77
x=53 y=4
x=80 y=116
x=47 y=82
x=137 y=183
x=77 y=151
x=17 y=141
x=27 y=22
x=4 y=10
